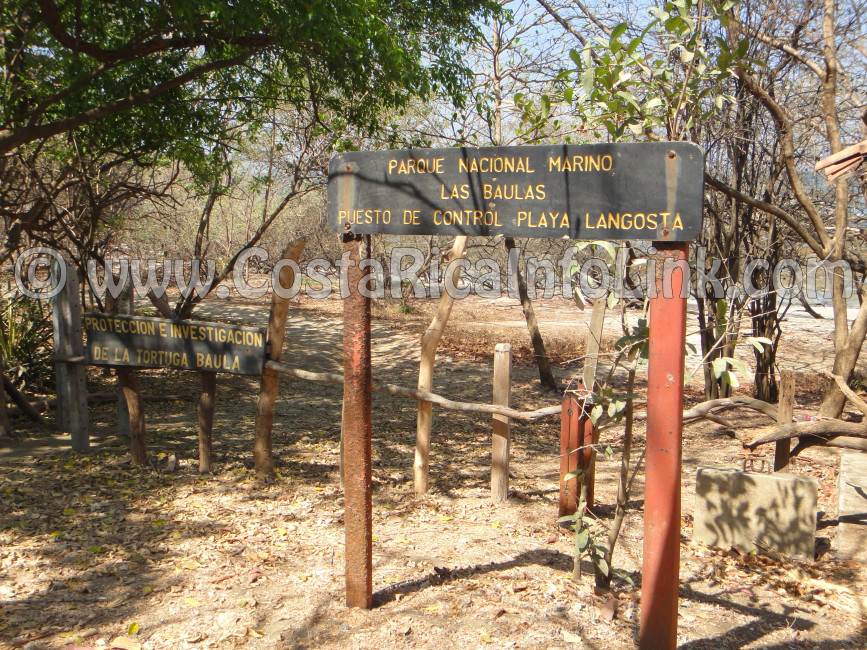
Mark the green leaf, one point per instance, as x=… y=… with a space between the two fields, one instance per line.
x=602 y=565
x=618 y=31
x=582 y=539
x=575 y=474
x=759 y=342
x=596 y=413
x=719 y=367
x=575 y=55
x=737 y=364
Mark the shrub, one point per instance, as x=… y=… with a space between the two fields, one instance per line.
x=26 y=342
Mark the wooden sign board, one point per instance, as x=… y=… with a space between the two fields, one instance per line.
x=649 y=191
x=185 y=345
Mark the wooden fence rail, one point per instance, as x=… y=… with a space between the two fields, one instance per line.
x=422 y=395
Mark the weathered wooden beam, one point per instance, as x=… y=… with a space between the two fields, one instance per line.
x=411 y=393
x=270 y=383
x=501 y=438
x=785 y=411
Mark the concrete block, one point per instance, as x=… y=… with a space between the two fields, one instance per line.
x=742 y=508
x=851 y=542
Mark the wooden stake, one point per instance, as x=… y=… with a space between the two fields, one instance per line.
x=429 y=342
x=135 y=405
x=270 y=384
x=785 y=412
x=206 y=420
x=502 y=435
x=72 y=414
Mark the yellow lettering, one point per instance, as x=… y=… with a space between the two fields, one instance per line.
x=665 y=218
x=677 y=222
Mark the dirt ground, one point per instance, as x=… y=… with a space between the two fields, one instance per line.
x=95 y=554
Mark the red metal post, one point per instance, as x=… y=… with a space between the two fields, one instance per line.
x=660 y=573
x=357 y=428
x=576 y=430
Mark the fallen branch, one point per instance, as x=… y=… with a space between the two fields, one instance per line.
x=421 y=395
x=827 y=430
x=44 y=404
x=704 y=410
x=23 y=403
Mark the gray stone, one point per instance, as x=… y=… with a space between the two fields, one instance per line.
x=852 y=507
x=742 y=508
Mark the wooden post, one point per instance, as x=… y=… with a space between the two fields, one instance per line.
x=502 y=436
x=270 y=384
x=206 y=420
x=357 y=390
x=785 y=411
x=576 y=432
x=72 y=414
x=125 y=305
x=429 y=342
x=135 y=404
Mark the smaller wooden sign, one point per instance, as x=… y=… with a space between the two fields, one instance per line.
x=185 y=345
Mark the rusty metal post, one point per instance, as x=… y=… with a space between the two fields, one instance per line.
x=660 y=573
x=357 y=428
x=576 y=430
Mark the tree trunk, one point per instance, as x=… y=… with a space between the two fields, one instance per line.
x=429 y=342
x=546 y=377
x=270 y=383
x=847 y=349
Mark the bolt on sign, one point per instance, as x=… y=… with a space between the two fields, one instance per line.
x=184 y=345
x=650 y=191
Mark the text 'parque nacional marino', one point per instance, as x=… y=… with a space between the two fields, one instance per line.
x=185 y=345
x=650 y=191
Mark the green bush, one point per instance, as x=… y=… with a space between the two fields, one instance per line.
x=26 y=342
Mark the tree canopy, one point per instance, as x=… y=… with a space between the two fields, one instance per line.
x=157 y=71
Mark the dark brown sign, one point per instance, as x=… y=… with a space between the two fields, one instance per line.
x=650 y=191
x=185 y=345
